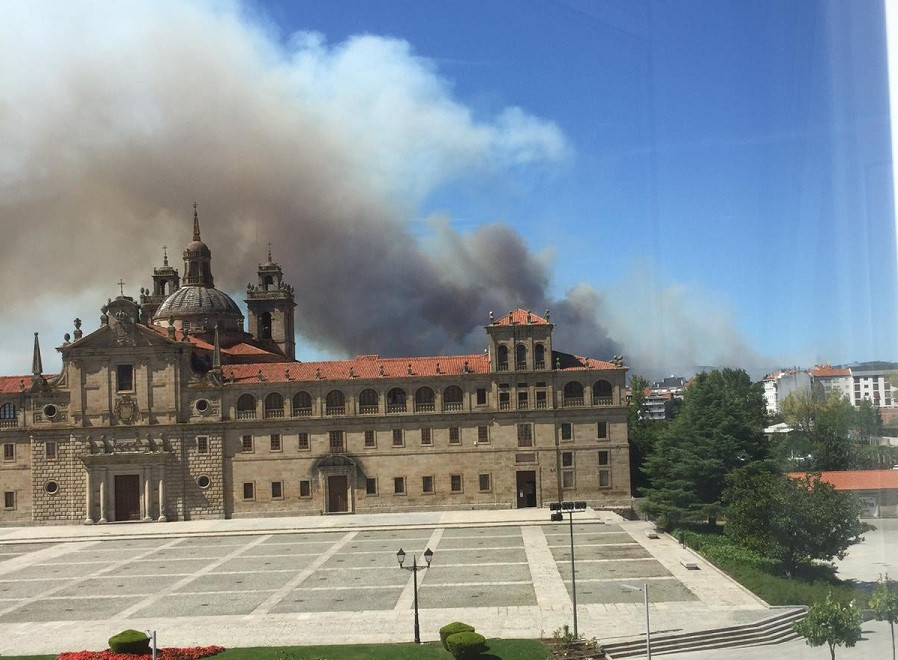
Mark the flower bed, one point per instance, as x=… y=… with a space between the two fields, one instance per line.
x=191 y=653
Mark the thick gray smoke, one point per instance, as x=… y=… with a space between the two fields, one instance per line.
x=116 y=117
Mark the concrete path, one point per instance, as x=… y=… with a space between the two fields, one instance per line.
x=335 y=579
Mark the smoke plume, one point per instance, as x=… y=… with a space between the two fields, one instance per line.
x=115 y=118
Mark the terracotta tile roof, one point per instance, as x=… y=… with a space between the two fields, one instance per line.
x=11 y=384
x=857 y=479
x=519 y=317
x=829 y=372
x=242 y=348
x=368 y=366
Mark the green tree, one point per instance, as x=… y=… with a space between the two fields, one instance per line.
x=825 y=422
x=832 y=623
x=867 y=422
x=792 y=520
x=884 y=604
x=642 y=434
x=720 y=428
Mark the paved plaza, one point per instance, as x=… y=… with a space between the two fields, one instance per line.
x=336 y=579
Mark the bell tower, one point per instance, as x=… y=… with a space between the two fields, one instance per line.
x=270 y=304
x=165 y=282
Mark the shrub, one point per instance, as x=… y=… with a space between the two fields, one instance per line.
x=452 y=628
x=130 y=641
x=466 y=644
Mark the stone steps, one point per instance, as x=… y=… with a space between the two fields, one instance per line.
x=772 y=630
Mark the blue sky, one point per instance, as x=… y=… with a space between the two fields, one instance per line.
x=743 y=147
x=707 y=182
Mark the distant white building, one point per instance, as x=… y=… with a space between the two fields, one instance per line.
x=780 y=384
x=833 y=379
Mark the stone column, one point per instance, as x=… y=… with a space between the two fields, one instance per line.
x=146 y=499
x=162 y=517
x=89 y=487
x=103 y=487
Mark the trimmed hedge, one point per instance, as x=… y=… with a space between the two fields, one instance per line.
x=451 y=629
x=466 y=644
x=130 y=641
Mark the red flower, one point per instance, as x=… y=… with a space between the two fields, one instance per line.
x=171 y=653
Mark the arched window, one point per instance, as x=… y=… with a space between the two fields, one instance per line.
x=573 y=394
x=246 y=407
x=9 y=416
x=335 y=403
x=502 y=358
x=274 y=405
x=269 y=282
x=368 y=402
x=602 y=393
x=264 y=325
x=424 y=400
x=302 y=404
x=539 y=357
x=396 y=400
x=520 y=357
x=453 y=398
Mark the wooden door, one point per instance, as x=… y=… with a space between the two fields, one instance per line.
x=127 y=497
x=526 y=489
x=337 y=494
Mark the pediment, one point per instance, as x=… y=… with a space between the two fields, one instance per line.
x=118 y=336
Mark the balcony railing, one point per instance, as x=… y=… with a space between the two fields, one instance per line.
x=9 y=423
x=541 y=404
x=505 y=405
x=424 y=407
x=520 y=366
x=335 y=410
x=368 y=410
x=274 y=413
x=539 y=364
x=396 y=408
x=603 y=401
x=502 y=366
x=523 y=405
x=573 y=401
x=452 y=406
x=246 y=414
x=302 y=412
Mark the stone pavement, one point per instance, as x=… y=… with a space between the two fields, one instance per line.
x=335 y=579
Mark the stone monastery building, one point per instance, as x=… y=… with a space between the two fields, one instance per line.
x=170 y=410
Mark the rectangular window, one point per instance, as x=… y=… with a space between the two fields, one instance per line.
x=247 y=442
x=202 y=444
x=604 y=458
x=397 y=437
x=525 y=435
x=504 y=401
x=336 y=441
x=483 y=434
x=541 y=400
x=9 y=499
x=399 y=485
x=523 y=402
x=370 y=486
x=602 y=429
x=481 y=396
x=51 y=450
x=124 y=378
x=567 y=459
x=454 y=435
x=567 y=479
x=455 y=483
x=303 y=440
x=369 y=439
x=425 y=437
x=426 y=484
x=9 y=451
x=277 y=490
x=567 y=431
x=249 y=490
x=604 y=478
x=305 y=488
x=275 y=442
x=483 y=481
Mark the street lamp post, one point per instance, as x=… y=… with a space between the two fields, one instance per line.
x=648 y=637
x=558 y=516
x=414 y=568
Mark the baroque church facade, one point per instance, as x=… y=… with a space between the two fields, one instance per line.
x=172 y=410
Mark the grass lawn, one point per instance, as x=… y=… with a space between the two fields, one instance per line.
x=506 y=649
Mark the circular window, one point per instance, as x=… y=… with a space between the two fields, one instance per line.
x=51 y=487
x=203 y=481
x=202 y=405
x=50 y=411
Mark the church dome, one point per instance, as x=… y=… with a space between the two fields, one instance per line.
x=201 y=307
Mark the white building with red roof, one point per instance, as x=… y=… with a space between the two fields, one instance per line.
x=877 y=490
x=171 y=410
